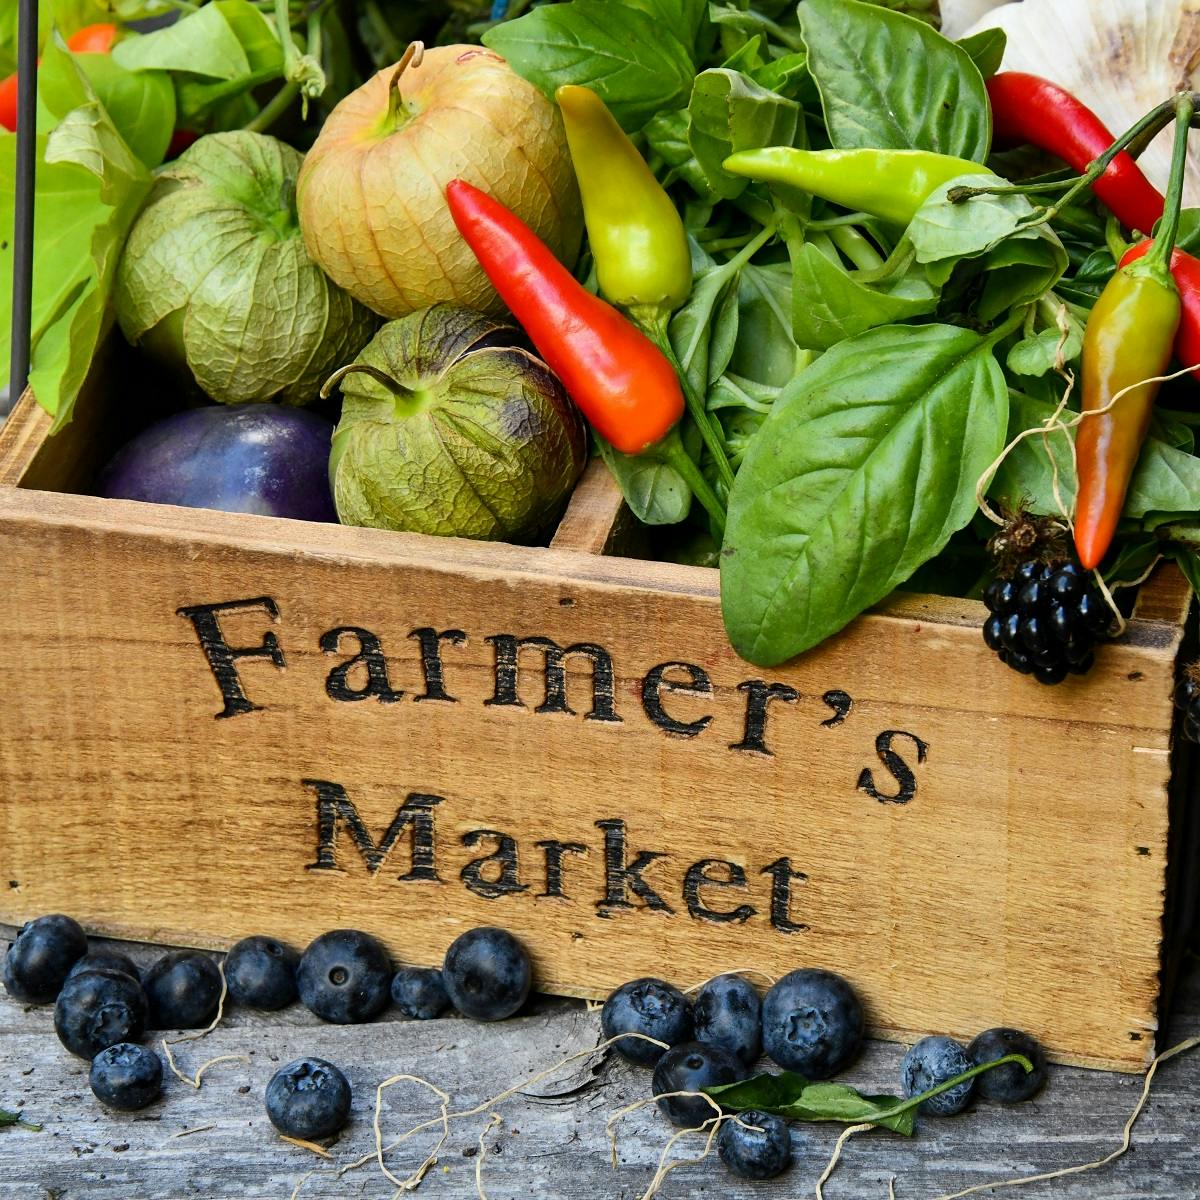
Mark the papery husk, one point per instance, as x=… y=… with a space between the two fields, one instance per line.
x=959 y=15
x=1120 y=57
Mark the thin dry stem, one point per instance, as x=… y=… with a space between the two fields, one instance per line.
x=846 y=1135
x=306 y=1145
x=182 y=1133
x=771 y=981
x=194 y=1080
x=1126 y=1137
x=405 y=1185
x=493 y=1121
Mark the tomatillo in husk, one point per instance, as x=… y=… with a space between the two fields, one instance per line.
x=450 y=427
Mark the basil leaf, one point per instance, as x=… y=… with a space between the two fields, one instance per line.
x=655 y=492
x=1189 y=230
x=986 y=49
x=686 y=19
x=1133 y=558
x=888 y=81
x=1023 y=267
x=728 y=112
x=829 y=305
x=1038 y=354
x=794 y=1097
x=788 y=75
x=705 y=329
x=864 y=468
x=634 y=65
x=1187 y=558
x=766 y=350
x=942 y=230
x=667 y=136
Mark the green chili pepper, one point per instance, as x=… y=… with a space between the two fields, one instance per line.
x=889 y=184
x=635 y=232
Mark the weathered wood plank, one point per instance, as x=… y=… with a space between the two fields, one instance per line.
x=544 y=1149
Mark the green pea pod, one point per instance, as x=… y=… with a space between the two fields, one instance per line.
x=889 y=184
x=635 y=232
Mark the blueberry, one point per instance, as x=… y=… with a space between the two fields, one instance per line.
x=126 y=1076
x=38 y=960
x=760 y=1152
x=97 y=1009
x=688 y=1068
x=728 y=1013
x=931 y=1062
x=184 y=989
x=105 y=960
x=261 y=973
x=420 y=992
x=650 y=1007
x=344 y=977
x=1009 y=1084
x=812 y=1023
x=309 y=1098
x=487 y=973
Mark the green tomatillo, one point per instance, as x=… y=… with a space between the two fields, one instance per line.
x=215 y=282
x=449 y=427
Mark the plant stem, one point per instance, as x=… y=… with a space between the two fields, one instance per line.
x=392 y=46
x=897 y=262
x=678 y=457
x=1164 y=244
x=1117 y=245
x=856 y=248
x=274 y=109
x=916 y=1101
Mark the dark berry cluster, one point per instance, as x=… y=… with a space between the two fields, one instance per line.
x=1046 y=619
x=1188 y=698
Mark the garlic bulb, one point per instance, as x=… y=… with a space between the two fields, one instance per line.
x=959 y=15
x=1120 y=57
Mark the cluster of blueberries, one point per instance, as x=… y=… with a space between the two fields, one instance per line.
x=102 y=1006
x=810 y=1022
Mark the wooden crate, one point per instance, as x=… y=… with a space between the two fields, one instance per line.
x=215 y=725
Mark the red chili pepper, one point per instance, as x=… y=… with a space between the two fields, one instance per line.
x=91 y=39
x=1186 y=272
x=621 y=381
x=1027 y=109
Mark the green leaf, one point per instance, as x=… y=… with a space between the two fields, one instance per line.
x=141 y=104
x=1023 y=267
x=15 y=1118
x=634 y=65
x=1165 y=483
x=655 y=492
x=788 y=75
x=667 y=136
x=686 y=19
x=864 y=468
x=210 y=42
x=941 y=230
x=765 y=351
x=829 y=305
x=1188 y=562
x=1038 y=354
x=730 y=112
x=792 y=1096
x=986 y=49
x=888 y=81
x=88 y=189
x=704 y=332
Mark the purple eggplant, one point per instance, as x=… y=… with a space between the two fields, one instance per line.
x=248 y=458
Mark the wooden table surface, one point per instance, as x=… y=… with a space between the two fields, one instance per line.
x=217 y=1142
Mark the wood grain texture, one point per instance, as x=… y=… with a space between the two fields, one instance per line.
x=1013 y=850
x=545 y=1148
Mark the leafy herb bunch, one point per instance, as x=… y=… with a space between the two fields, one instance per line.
x=866 y=377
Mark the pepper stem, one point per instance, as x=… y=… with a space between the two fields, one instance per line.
x=397 y=389
x=411 y=57
x=1164 y=244
x=676 y=456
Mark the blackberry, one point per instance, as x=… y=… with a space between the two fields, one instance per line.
x=1187 y=696
x=1046 y=618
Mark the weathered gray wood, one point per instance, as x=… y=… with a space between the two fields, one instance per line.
x=553 y=1148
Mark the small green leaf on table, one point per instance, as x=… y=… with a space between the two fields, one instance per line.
x=986 y=49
